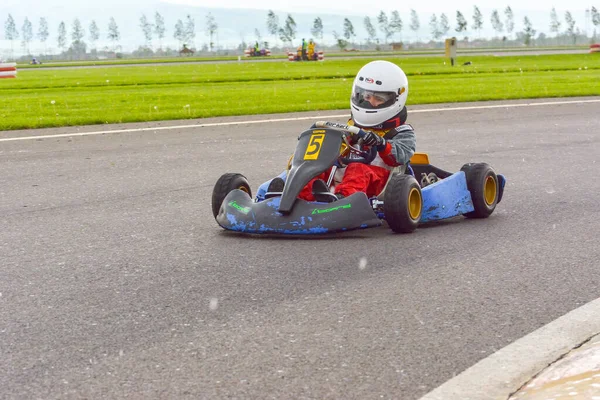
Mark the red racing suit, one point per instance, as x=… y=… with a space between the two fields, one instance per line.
x=371 y=178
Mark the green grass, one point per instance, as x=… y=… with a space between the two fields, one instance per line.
x=328 y=54
x=46 y=98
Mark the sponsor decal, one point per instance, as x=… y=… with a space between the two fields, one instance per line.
x=369 y=80
x=328 y=210
x=244 y=210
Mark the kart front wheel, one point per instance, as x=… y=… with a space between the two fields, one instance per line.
x=403 y=203
x=225 y=184
x=482 y=183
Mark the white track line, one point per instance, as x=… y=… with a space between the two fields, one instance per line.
x=264 y=121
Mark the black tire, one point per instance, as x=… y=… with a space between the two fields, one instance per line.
x=225 y=184
x=482 y=183
x=403 y=203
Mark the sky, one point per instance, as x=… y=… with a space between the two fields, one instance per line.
x=355 y=6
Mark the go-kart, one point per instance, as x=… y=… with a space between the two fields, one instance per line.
x=252 y=52
x=415 y=193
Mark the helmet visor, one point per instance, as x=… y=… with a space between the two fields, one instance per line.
x=372 y=99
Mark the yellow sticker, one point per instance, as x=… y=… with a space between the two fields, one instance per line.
x=314 y=146
x=319 y=131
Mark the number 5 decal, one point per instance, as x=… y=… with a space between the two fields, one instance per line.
x=314 y=146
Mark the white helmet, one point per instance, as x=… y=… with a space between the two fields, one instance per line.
x=379 y=93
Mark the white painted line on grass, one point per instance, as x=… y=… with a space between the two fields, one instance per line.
x=264 y=121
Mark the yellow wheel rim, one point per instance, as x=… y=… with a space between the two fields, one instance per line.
x=244 y=189
x=414 y=203
x=489 y=190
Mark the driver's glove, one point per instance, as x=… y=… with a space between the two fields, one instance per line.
x=372 y=139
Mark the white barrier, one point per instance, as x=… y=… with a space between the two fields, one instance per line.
x=292 y=56
x=8 y=70
x=250 y=52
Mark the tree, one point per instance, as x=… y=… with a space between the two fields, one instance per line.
x=384 y=26
x=570 y=26
x=10 y=31
x=588 y=16
x=341 y=42
x=211 y=29
x=78 y=32
x=288 y=32
x=179 y=33
x=396 y=23
x=113 y=32
x=444 y=24
x=257 y=34
x=434 y=27
x=43 y=32
x=461 y=22
x=528 y=31
x=414 y=22
x=159 y=28
x=272 y=24
x=27 y=30
x=509 y=22
x=77 y=35
x=496 y=23
x=554 y=22
x=94 y=34
x=62 y=35
x=317 y=28
x=348 y=29
x=190 y=30
x=371 y=32
x=146 y=30
x=595 y=16
x=477 y=20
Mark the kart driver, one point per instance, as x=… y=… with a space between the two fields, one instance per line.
x=377 y=105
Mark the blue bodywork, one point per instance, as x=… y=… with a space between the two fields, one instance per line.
x=446 y=198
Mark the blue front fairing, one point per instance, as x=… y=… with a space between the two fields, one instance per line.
x=446 y=198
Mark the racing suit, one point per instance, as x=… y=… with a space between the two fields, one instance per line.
x=311 y=50
x=371 y=178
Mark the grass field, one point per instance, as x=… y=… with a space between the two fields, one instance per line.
x=46 y=98
x=281 y=55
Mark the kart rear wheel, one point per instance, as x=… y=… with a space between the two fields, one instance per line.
x=225 y=184
x=482 y=183
x=403 y=203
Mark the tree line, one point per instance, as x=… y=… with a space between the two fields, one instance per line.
x=385 y=25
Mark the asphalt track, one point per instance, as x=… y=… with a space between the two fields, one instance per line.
x=116 y=281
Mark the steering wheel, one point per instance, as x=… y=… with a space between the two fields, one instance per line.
x=358 y=156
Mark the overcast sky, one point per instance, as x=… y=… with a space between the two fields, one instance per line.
x=354 y=6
